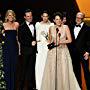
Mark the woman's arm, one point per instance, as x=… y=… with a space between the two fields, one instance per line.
x=49 y=36
x=17 y=26
x=68 y=35
x=37 y=25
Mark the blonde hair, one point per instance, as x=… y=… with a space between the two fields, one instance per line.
x=81 y=13
x=13 y=13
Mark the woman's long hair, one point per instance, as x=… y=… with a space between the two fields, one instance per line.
x=13 y=13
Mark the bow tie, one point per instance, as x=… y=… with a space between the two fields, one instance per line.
x=78 y=25
x=30 y=23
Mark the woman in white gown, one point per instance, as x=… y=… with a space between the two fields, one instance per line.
x=58 y=72
x=42 y=29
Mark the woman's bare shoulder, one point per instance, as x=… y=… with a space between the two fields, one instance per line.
x=65 y=26
x=16 y=23
x=52 y=27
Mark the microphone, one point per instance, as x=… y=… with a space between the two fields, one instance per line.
x=57 y=30
x=59 y=34
x=52 y=45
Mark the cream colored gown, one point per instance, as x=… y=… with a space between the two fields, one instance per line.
x=63 y=78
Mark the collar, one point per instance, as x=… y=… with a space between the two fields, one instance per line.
x=81 y=24
x=28 y=23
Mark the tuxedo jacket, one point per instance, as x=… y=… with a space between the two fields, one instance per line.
x=82 y=43
x=25 y=38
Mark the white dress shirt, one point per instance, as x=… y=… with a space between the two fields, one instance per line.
x=31 y=27
x=77 y=30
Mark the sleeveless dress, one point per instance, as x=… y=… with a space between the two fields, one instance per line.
x=41 y=30
x=58 y=73
x=10 y=57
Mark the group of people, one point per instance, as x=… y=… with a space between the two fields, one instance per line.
x=51 y=52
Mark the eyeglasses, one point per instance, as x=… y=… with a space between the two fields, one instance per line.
x=79 y=18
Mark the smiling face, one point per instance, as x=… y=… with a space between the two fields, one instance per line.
x=10 y=16
x=58 y=20
x=28 y=16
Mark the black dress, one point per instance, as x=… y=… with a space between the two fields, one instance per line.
x=10 y=57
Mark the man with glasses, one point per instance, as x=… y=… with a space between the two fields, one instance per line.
x=80 y=48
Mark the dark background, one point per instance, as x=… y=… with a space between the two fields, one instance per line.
x=38 y=6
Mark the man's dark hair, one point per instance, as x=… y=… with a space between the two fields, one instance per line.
x=26 y=11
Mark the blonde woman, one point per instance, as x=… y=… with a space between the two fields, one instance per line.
x=10 y=48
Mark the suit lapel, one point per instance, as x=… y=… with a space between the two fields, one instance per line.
x=34 y=31
x=28 y=30
x=81 y=31
x=72 y=33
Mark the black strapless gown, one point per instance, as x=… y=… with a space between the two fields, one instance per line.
x=10 y=57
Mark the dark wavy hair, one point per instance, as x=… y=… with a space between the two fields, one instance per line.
x=58 y=14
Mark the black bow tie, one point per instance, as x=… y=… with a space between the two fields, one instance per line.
x=78 y=25
x=30 y=23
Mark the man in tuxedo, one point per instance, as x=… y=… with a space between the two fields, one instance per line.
x=27 y=40
x=80 y=48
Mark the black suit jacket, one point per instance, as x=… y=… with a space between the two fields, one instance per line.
x=82 y=42
x=25 y=38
